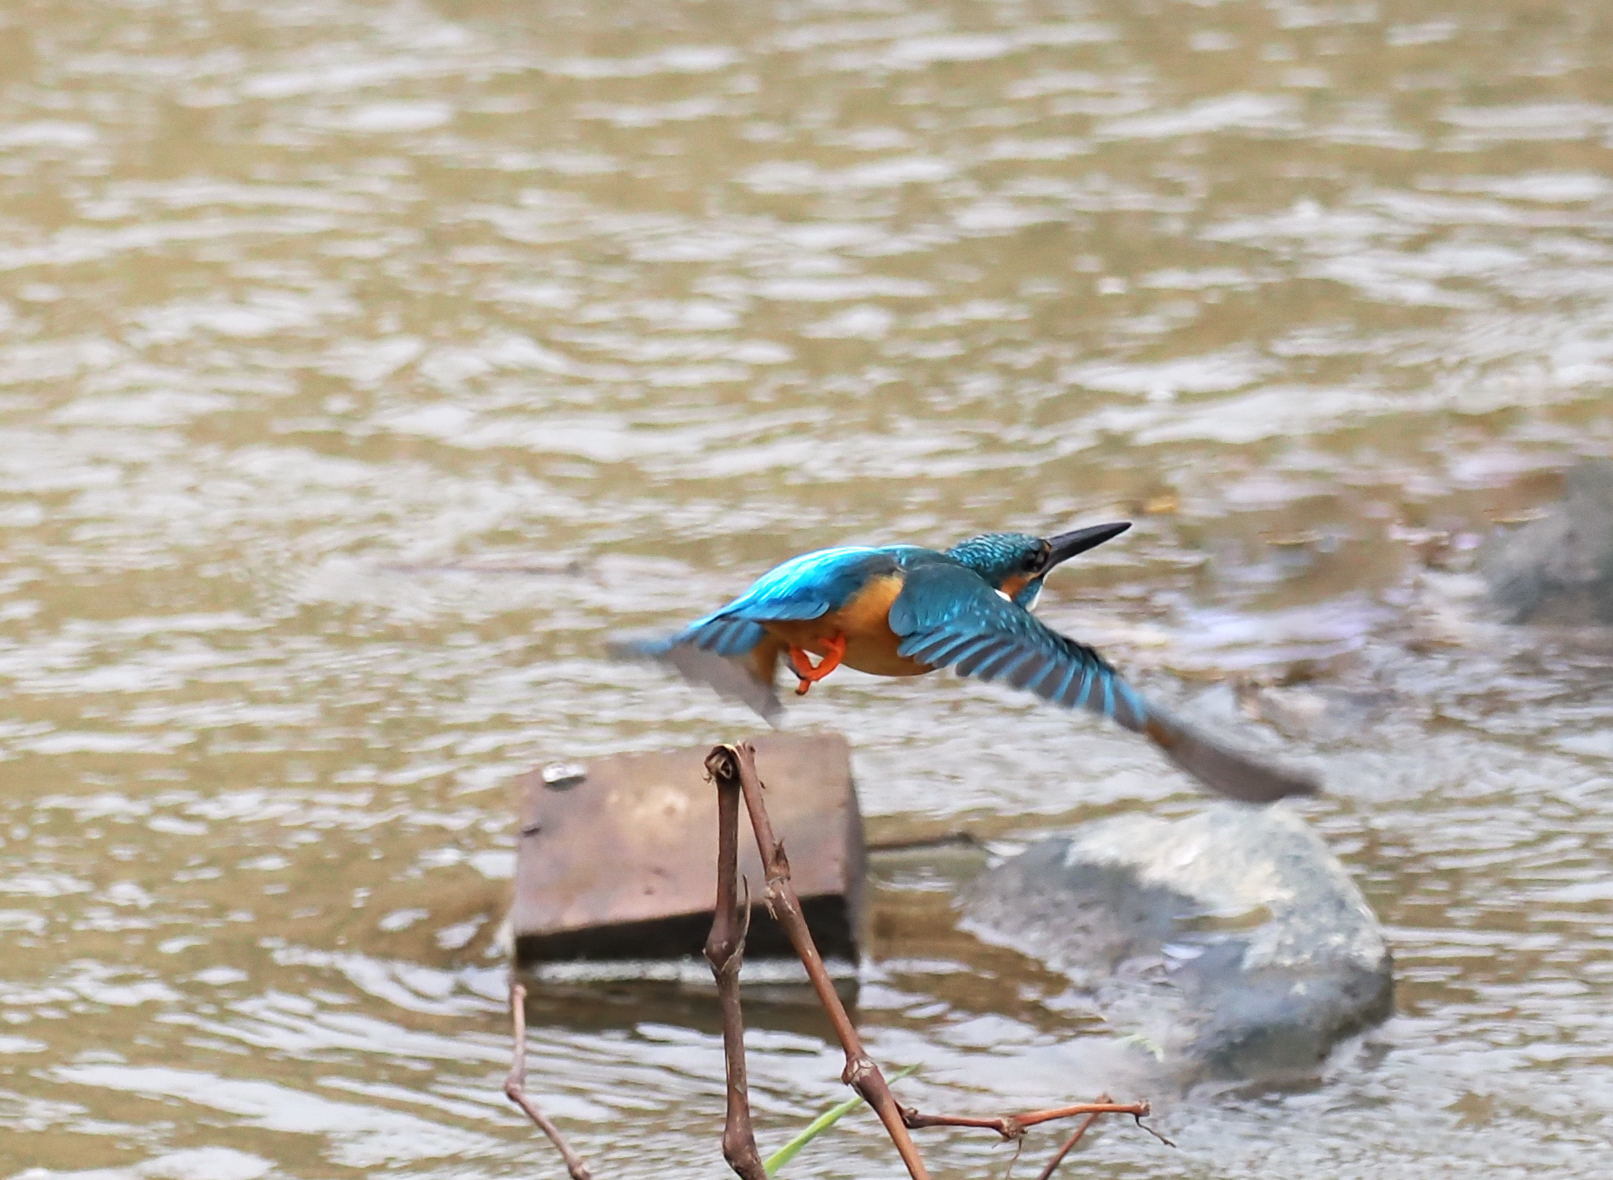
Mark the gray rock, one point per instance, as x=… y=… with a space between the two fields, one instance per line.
x=1229 y=943
x=1559 y=569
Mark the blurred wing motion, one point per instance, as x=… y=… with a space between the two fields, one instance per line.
x=749 y=682
x=730 y=649
x=946 y=615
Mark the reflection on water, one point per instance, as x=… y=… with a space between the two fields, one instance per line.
x=361 y=363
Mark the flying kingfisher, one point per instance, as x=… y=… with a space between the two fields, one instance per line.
x=902 y=610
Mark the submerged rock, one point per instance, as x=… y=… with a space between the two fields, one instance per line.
x=1559 y=569
x=1231 y=942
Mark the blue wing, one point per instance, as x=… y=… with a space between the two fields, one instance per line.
x=948 y=616
x=713 y=650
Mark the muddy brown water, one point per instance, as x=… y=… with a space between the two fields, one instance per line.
x=361 y=364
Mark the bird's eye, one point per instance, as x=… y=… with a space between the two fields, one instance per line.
x=1035 y=560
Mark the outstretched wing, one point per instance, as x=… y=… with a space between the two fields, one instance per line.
x=948 y=616
x=730 y=649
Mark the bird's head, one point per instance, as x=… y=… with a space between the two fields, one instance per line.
x=1016 y=563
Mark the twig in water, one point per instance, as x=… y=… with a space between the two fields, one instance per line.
x=515 y=1085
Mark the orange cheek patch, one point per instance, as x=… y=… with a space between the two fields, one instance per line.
x=1015 y=583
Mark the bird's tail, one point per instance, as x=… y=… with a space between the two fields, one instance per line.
x=740 y=678
x=1227 y=772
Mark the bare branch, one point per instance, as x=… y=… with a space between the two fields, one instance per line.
x=733 y=769
x=725 y=951
x=1014 y=1126
x=738 y=762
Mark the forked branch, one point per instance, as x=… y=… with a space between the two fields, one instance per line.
x=733 y=770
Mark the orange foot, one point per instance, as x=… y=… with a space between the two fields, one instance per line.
x=834 y=650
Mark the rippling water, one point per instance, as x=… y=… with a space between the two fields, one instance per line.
x=361 y=363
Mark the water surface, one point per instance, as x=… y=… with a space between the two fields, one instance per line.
x=361 y=364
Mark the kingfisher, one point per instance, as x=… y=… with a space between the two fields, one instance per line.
x=904 y=610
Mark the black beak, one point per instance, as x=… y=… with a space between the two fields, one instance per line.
x=1067 y=545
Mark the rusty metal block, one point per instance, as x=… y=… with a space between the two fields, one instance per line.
x=617 y=858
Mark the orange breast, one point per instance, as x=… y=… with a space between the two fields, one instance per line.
x=865 y=623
